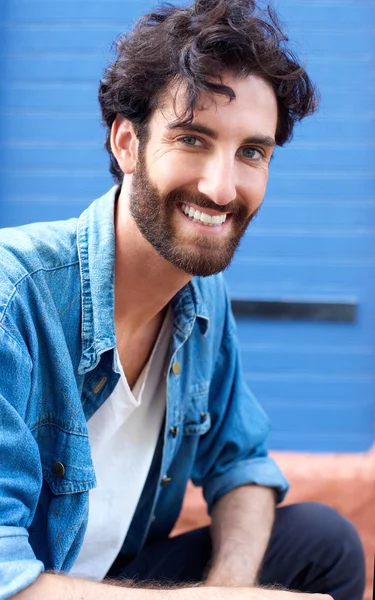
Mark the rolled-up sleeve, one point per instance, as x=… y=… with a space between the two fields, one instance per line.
x=20 y=471
x=234 y=451
x=19 y=567
x=259 y=471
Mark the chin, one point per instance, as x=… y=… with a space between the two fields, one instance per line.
x=200 y=268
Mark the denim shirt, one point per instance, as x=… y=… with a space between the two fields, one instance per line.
x=57 y=367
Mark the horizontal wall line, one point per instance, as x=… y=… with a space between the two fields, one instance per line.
x=281 y=310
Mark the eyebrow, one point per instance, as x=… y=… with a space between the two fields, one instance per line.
x=264 y=140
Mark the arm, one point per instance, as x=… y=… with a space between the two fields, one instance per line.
x=233 y=452
x=242 y=521
x=60 y=587
x=49 y=586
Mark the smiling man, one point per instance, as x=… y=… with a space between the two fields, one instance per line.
x=120 y=373
x=197 y=185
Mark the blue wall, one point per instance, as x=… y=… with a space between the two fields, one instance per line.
x=313 y=239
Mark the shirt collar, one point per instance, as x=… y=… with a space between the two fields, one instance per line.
x=188 y=305
x=96 y=248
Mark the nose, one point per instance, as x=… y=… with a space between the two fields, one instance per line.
x=218 y=181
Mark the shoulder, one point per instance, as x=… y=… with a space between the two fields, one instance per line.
x=26 y=249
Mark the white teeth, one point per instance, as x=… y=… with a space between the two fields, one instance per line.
x=203 y=217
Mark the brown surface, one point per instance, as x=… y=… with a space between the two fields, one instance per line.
x=344 y=481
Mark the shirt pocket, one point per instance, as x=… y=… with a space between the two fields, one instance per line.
x=197 y=419
x=66 y=461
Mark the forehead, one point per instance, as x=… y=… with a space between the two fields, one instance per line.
x=254 y=107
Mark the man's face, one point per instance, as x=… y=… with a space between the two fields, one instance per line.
x=196 y=187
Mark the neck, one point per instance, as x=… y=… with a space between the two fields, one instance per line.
x=144 y=282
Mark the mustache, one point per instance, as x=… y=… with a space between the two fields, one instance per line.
x=185 y=196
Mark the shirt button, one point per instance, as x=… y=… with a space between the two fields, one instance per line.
x=166 y=480
x=153 y=518
x=59 y=469
x=176 y=368
x=203 y=416
x=174 y=431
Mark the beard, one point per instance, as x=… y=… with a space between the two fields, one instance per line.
x=199 y=254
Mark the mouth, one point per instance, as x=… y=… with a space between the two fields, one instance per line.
x=203 y=217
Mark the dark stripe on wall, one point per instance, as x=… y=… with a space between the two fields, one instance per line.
x=280 y=310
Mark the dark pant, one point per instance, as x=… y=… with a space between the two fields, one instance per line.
x=312 y=549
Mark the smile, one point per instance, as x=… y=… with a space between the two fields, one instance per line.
x=202 y=217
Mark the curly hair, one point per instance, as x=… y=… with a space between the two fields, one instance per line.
x=195 y=45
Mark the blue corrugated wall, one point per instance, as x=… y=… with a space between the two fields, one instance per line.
x=313 y=239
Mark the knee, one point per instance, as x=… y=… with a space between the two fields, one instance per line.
x=338 y=540
x=332 y=527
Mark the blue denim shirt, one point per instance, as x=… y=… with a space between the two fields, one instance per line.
x=57 y=366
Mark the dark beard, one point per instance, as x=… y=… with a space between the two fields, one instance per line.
x=152 y=212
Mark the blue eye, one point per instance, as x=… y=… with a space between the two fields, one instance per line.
x=190 y=140
x=251 y=153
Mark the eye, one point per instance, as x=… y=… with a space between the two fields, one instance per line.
x=190 y=140
x=251 y=153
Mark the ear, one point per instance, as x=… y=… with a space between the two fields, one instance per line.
x=124 y=144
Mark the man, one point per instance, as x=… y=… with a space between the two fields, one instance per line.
x=120 y=376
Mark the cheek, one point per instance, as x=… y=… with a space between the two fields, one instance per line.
x=254 y=189
x=170 y=173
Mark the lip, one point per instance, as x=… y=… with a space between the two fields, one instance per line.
x=197 y=227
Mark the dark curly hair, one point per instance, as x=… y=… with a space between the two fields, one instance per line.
x=194 y=45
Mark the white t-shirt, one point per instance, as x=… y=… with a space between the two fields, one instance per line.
x=123 y=434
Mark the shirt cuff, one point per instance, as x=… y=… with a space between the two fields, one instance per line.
x=259 y=471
